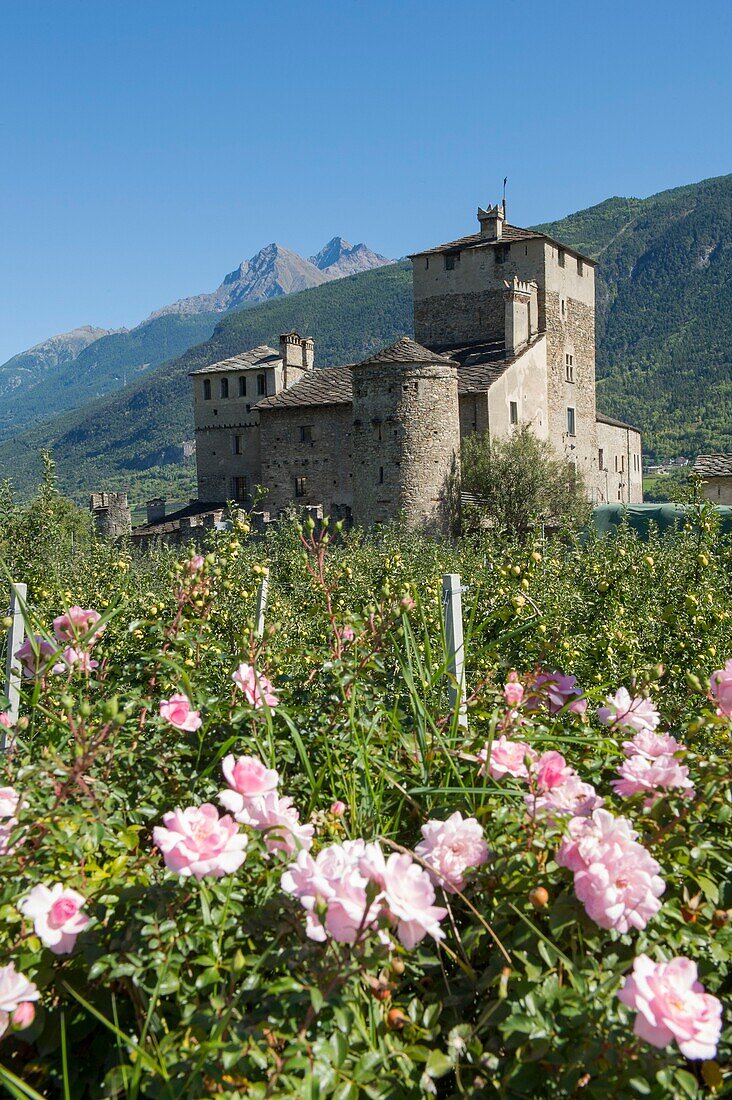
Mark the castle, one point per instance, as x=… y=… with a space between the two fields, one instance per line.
x=504 y=324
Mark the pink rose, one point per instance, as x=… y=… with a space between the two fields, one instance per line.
x=10 y=805
x=573 y=798
x=196 y=841
x=248 y=778
x=720 y=690
x=23 y=1016
x=409 y=899
x=278 y=819
x=557 y=692
x=333 y=891
x=671 y=1004
x=34 y=655
x=615 y=878
x=661 y=773
x=15 y=990
x=338 y=808
x=76 y=623
x=651 y=745
x=622 y=711
x=504 y=757
x=551 y=770
x=452 y=849
x=56 y=915
x=178 y=711
x=513 y=691
x=348 y=634
x=73 y=656
x=257 y=689
x=6 y=720
x=195 y=564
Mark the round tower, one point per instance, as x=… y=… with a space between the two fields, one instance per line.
x=406 y=435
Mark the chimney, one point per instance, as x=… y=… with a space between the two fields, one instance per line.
x=520 y=300
x=297 y=354
x=308 y=353
x=155 y=510
x=491 y=222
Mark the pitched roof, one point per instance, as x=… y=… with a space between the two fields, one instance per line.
x=509 y=234
x=602 y=419
x=405 y=350
x=719 y=465
x=321 y=386
x=258 y=356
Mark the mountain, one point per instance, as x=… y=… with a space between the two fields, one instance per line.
x=33 y=363
x=664 y=346
x=339 y=258
x=276 y=271
x=66 y=372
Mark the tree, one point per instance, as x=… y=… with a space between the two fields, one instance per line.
x=516 y=484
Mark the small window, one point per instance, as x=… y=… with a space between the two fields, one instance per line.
x=620 y=492
x=616 y=463
x=564 y=307
x=240 y=486
x=261 y=384
x=242 y=385
x=300 y=486
x=306 y=433
x=207 y=389
x=451 y=259
x=569 y=368
x=601 y=459
x=237 y=441
x=224 y=387
x=381 y=475
x=580 y=266
x=502 y=252
x=560 y=257
x=426 y=263
x=571 y=423
x=622 y=464
x=513 y=412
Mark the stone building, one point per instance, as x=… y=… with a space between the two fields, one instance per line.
x=716 y=474
x=111 y=514
x=504 y=323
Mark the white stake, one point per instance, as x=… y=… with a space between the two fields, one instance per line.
x=261 y=605
x=16 y=634
x=452 y=600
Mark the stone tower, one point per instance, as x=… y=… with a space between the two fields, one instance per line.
x=406 y=435
x=111 y=513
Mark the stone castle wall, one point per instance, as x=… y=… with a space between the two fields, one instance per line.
x=324 y=461
x=406 y=435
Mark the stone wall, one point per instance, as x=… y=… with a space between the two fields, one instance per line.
x=406 y=437
x=718 y=489
x=323 y=460
x=570 y=331
x=620 y=480
x=111 y=513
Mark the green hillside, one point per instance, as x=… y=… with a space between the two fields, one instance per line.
x=132 y=438
x=101 y=368
x=664 y=346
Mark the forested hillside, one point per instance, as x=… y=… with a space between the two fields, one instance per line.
x=664 y=346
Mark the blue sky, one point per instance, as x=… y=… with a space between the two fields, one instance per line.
x=148 y=147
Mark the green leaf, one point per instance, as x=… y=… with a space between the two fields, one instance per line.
x=438 y=1064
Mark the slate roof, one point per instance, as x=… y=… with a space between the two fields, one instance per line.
x=171 y=522
x=259 y=356
x=719 y=465
x=405 y=350
x=321 y=386
x=602 y=419
x=509 y=234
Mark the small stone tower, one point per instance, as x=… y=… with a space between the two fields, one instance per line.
x=406 y=435
x=111 y=513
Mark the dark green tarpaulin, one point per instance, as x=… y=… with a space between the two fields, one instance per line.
x=606 y=518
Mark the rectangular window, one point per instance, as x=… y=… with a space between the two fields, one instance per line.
x=240 y=486
x=601 y=459
x=513 y=411
x=300 y=486
x=622 y=464
x=580 y=266
x=261 y=384
x=451 y=259
x=381 y=475
x=207 y=389
x=502 y=252
x=616 y=463
x=560 y=257
x=569 y=368
x=237 y=441
x=306 y=433
x=224 y=387
x=242 y=385
x=564 y=307
x=571 y=423
x=426 y=262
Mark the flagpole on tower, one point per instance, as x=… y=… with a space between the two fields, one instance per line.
x=505 y=180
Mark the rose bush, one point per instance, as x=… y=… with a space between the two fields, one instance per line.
x=279 y=866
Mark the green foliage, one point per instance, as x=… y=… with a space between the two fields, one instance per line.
x=521 y=484
x=184 y=989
